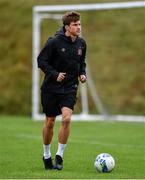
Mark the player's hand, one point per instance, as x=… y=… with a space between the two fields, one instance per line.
x=83 y=78
x=61 y=76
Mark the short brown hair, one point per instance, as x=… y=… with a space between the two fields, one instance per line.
x=70 y=17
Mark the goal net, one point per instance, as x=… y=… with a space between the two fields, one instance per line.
x=115 y=71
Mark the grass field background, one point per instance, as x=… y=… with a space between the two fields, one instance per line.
x=116 y=56
x=21 y=149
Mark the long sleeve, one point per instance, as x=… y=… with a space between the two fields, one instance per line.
x=45 y=58
x=82 y=62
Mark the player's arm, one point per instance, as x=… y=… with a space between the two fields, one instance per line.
x=82 y=73
x=44 y=60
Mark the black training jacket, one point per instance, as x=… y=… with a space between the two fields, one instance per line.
x=60 y=54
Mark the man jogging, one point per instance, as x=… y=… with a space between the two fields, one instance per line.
x=63 y=61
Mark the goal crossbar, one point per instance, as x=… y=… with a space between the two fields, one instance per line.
x=87 y=7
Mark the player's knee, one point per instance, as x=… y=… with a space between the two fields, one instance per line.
x=66 y=118
x=50 y=123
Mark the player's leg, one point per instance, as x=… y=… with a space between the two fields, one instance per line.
x=67 y=106
x=48 y=130
x=63 y=135
x=48 y=134
x=47 y=138
x=51 y=110
x=64 y=130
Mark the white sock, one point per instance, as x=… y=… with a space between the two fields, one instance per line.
x=60 y=149
x=47 y=153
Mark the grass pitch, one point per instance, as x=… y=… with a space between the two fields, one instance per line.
x=21 y=149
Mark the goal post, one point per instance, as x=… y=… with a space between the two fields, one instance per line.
x=53 y=12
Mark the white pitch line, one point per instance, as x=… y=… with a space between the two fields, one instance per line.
x=31 y=136
x=109 y=144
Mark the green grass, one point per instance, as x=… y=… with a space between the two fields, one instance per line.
x=21 y=149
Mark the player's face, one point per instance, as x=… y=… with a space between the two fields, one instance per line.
x=75 y=28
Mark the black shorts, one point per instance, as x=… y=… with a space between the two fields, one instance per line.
x=52 y=103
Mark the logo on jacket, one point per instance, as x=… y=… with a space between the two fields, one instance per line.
x=63 y=49
x=79 y=51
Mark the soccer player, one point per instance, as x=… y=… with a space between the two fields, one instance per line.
x=63 y=61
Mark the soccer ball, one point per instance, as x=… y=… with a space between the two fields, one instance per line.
x=104 y=162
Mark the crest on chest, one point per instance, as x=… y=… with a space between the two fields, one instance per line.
x=63 y=49
x=79 y=51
